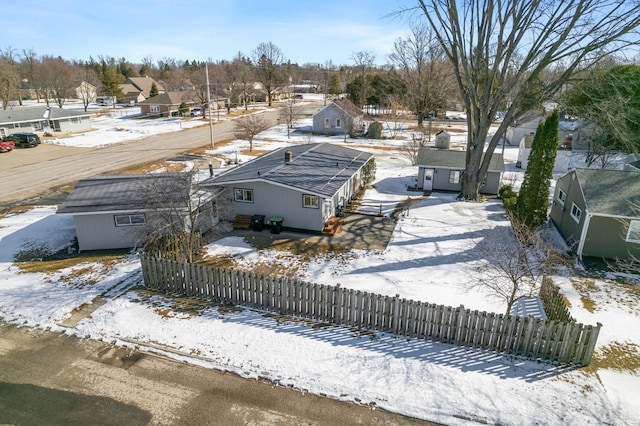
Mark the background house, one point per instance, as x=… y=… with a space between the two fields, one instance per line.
x=304 y=184
x=166 y=103
x=442 y=169
x=43 y=118
x=110 y=212
x=137 y=89
x=597 y=212
x=340 y=117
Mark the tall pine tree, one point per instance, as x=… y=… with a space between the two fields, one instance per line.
x=533 y=200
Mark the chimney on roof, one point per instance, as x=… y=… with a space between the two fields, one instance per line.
x=288 y=156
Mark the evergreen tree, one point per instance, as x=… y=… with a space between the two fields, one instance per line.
x=533 y=200
x=335 y=88
x=154 y=90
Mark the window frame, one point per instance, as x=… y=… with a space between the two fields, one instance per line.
x=327 y=123
x=243 y=198
x=562 y=196
x=454 y=177
x=154 y=108
x=338 y=123
x=130 y=219
x=574 y=216
x=311 y=205
x=634 y=228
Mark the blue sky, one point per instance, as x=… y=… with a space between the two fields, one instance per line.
x=305 y=31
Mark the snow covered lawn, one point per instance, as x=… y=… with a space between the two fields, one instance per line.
x=430 y=256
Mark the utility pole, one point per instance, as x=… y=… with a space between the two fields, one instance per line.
x=206 y=71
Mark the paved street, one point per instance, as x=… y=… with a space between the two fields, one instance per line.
x=50 y=378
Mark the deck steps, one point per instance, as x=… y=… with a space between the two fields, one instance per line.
x=332 y=226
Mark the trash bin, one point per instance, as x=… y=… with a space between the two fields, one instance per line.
x=257 y=222
x=276 y=224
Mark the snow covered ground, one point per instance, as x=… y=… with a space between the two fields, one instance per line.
x=430 y=256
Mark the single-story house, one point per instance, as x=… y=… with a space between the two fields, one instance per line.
x=84 y=90
x=527 y=125
x=165 y=104
x=304 y=184
x=43 y=118
x=596 y=212
x=341 y=117
x=442 y=169
x=110 y=212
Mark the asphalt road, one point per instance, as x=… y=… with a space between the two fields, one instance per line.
x=54 y=379
x=29 y=172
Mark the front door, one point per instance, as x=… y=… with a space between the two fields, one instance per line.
x=428 y=180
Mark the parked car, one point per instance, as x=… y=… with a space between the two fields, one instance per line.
x=6 y=146
x=196 y=112
x=23 y=140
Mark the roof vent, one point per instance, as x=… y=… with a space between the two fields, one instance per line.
x=288 y=156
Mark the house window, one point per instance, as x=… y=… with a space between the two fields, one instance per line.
x=243 y=195
x=74 y=120
x=129 y=219
x=310 y=201
x=454 y=176
x=633 y=236
x=154 y=108
x=338 y=123
x=576 y=212
x=326 y=123
x=562 y=196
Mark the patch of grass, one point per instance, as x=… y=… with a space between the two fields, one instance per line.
x=586 y=288
x=13 y=210
x=618 y=356
x=55 y=265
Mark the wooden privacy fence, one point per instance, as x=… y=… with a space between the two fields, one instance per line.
x=528 y=337
x=554 y=304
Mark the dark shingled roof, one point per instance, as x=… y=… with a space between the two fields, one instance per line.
x=116 y=193
x=610 y=192
x=319 y=168
x=453 y=159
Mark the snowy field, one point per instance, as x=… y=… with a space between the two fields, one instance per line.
x=430 y=256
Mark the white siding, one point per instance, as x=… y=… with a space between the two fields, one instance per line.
x=98 y=232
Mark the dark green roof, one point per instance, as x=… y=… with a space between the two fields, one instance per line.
x=610 y=192
x=451 y=159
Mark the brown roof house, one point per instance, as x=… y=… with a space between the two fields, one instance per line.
x=137 y=89
x=164 y=104
x=442 y=169
x=597 y=212
x=341 y=117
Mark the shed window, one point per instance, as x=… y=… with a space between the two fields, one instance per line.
x=243 y=195
x=454 y=176
x=633 y=236
x=562 y=196
x=338 y=123
x=129 y=219
x=327 y=124
x=576 y=212
x=310 y=201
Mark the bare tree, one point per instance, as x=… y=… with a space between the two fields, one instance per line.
x=290 y=112
x=267 y=60
x=424 y=70
x=515 y=260
x=363 y=64
x=248 y=126
x=89 y=84
x=411 y=149
x=503 y=54
x=178 y=212
x=9 y=82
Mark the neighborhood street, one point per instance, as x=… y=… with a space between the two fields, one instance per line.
x=56 y=379
x=28 y=172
